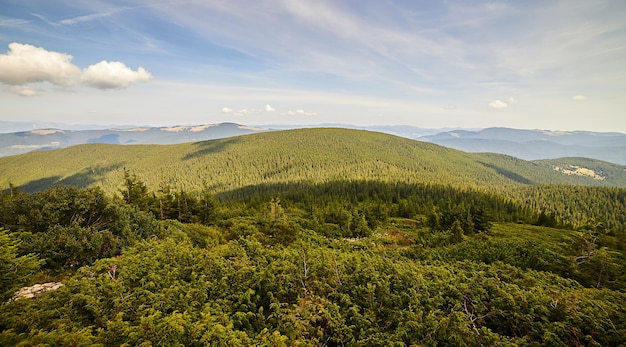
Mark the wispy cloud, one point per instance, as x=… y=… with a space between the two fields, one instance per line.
x=12 y=22
x=415 y=56
x=435 y=47
x=503 y=104
x=244 y=112
x=498 y=104
x=299 y=113
x=24 y=90
x=90 y=17
x=407 y=49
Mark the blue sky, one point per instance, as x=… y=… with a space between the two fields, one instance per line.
x=558 y=65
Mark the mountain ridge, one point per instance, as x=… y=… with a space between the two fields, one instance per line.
x=535 y=144
x=313 y=155
x=53 y=138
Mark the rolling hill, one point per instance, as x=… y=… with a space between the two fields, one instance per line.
x=524 y=144
x=312 y=155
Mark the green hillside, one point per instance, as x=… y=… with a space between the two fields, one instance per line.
x=308 y=238
x=590 y=168
x=315 y=155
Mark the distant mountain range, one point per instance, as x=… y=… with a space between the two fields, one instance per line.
x=536 y=144
x=52 y=138
x=523 y=144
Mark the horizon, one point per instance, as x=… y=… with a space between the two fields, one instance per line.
x=555 y=65
x=28 y=126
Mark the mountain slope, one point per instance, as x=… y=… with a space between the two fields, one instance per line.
x=537 y=144
x=595 y=169
x=314 y=155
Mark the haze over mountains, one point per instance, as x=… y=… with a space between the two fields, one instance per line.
x=53 y=138
x=520 y=143
x=537 y=144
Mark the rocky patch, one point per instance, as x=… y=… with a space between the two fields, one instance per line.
x=36 y=290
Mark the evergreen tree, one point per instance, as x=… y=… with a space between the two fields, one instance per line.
x=15 y=270
x=135 y=191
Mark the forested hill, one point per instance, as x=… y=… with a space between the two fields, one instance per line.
x=310 y=237
x=314 y=155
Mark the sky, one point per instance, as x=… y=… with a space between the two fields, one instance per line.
x=549 y=64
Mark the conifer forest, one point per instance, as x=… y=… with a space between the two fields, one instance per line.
x=320 y=237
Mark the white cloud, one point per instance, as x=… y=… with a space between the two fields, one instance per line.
x=25 y=63
x=12 y=22
x=107 y=75
x=87 y=18
x=579 y=98
x=512 y=100
x=23 y=90
x=243 y=112
x=227 y=110
x=299 y=113
x=498 y=104
x=269 y=108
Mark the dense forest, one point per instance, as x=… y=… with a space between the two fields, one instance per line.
x=351 y=259
x=292 y=156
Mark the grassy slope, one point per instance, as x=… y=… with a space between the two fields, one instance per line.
x=316 y=155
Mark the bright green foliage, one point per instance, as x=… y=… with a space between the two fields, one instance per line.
x=15 y=270
x=573 y=206
x=135 y=191
x=62 y=205
x=468 y=219
x=420 y=246
x=71 y=227
x=168 y=293
x=604 y=171
x=68 y=246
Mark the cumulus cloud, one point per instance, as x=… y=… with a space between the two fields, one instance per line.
x=579 y=98
x=498 y=104
x=25 y=63
x=269 y=108
x=299 y=113
x=512 y=100
x=114 y=74
x=227 y=110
